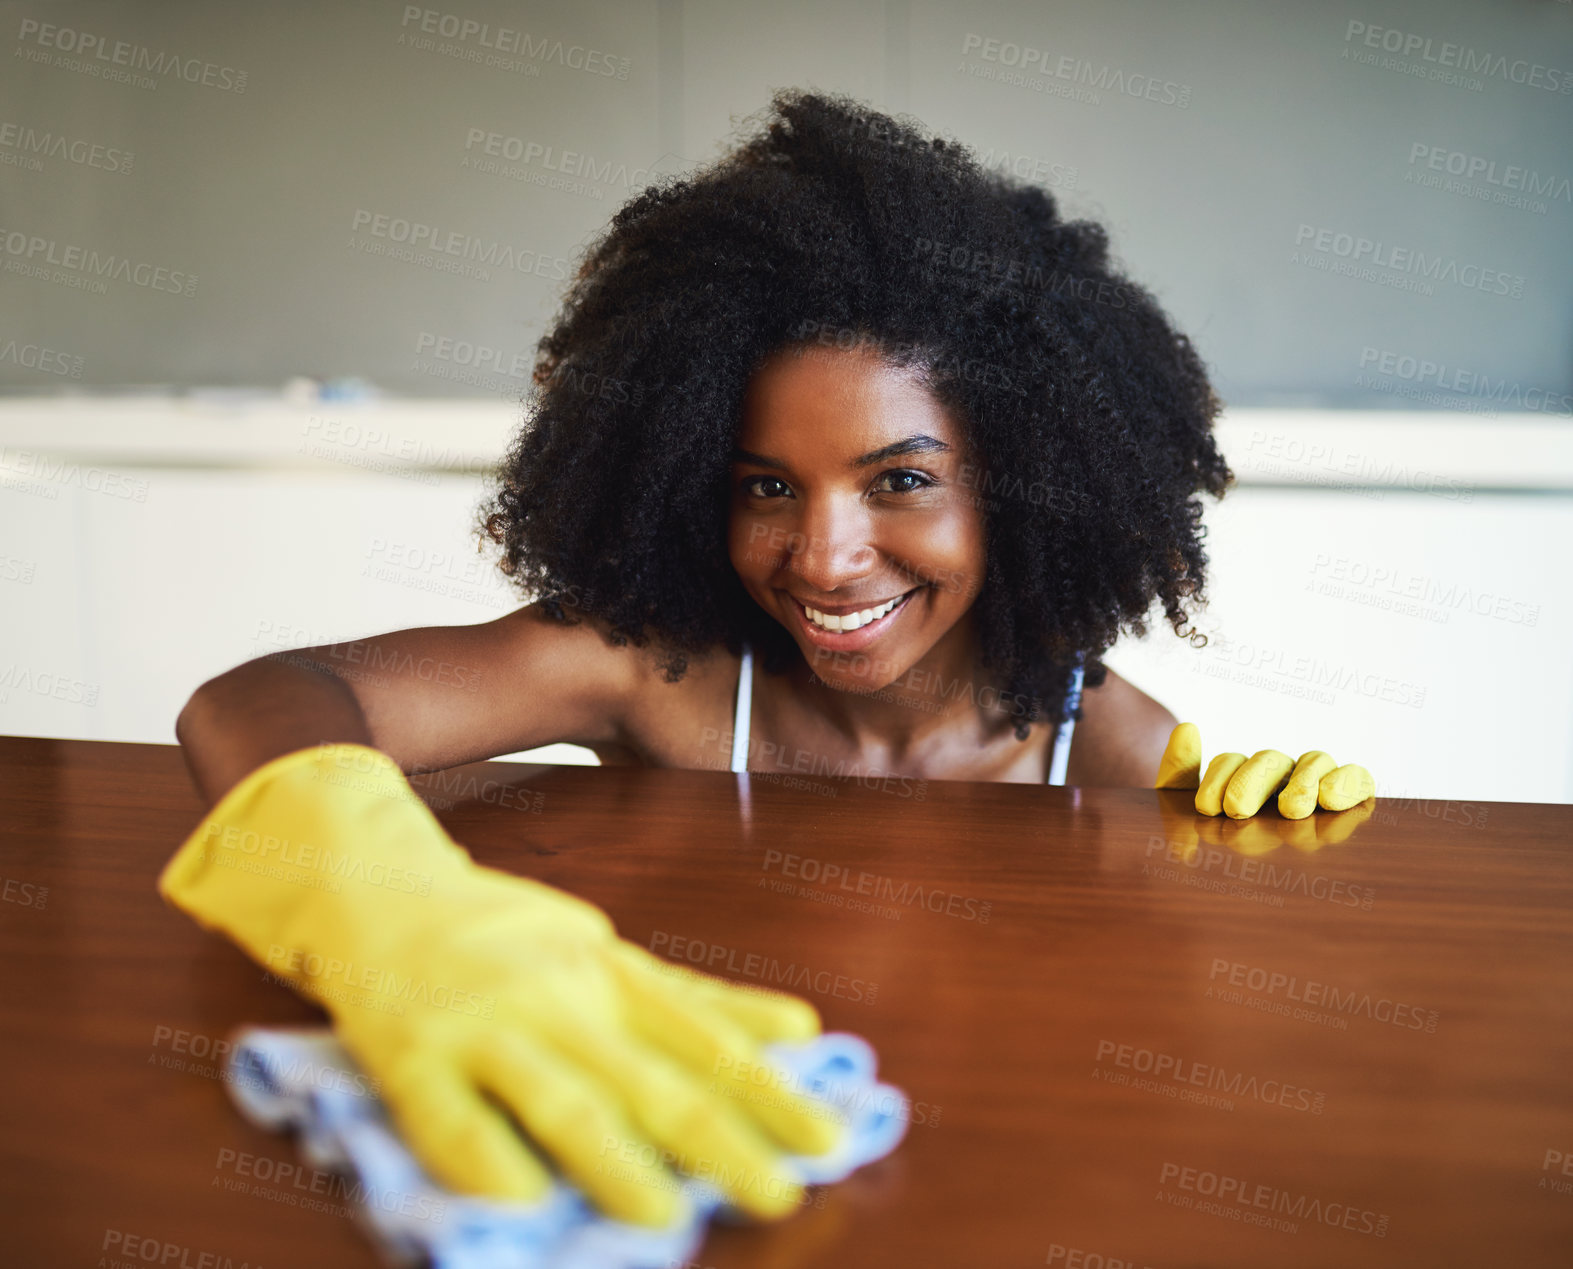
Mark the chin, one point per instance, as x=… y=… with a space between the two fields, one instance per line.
x=859 y=672
x=847 y=678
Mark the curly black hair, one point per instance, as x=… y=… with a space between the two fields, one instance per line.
x=833 y=223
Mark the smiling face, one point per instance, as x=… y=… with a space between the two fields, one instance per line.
x=850 y=524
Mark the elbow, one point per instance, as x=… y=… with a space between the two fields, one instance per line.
x=189 y=722
x=208 y=701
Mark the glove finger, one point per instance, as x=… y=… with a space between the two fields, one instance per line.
x=576 y=1119
x=703 y=1133
x=712 y=1045
x=460 y=1138
x=1181 y=764
x=766 y=1015
x=1349 y=785
x=1298 y=799
x=1263 y=774
x=1215 y=782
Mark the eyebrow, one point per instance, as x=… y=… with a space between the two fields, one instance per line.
x=921 y=443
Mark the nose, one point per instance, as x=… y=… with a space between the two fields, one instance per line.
x=830 y=548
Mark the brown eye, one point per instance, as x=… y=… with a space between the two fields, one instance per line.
x=902 y=482
x=766 y=487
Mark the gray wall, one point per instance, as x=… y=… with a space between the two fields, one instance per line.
x=1270 y=132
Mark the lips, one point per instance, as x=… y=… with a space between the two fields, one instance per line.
x=872 y=621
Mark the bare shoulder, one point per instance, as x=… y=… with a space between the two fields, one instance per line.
x=624 y=691
x=632 y=704
x=591 y=678
x=681 y=721
x=1120 y=736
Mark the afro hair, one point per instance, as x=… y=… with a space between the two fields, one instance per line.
x=1090 y=416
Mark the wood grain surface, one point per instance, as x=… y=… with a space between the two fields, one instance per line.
x=1127 y=1033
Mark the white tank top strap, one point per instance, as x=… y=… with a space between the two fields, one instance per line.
x=1059 y=760
x=740 y=718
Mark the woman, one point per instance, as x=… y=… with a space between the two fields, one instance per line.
x=844 y=402
x=843 y=366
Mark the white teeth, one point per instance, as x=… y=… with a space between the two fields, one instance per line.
x=851 y=620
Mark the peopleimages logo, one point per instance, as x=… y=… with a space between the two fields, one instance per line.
x=1323 y=995
x=1179 y=1070
x=1030 y=63
x=321 y=975
x=770 y=970
x=314 y=1190
x=30 y=253
x=1446 y=56
x=44 y=360
x=1425 y=373
x=90 y=49
x=140 y=1250
x=312 y=857
x=370 y=229
x=570 y=163
x=1364 y=256
x=1258 y=666
x=29 y=141
x=1380 y=583
x=510 y=44
x=1270 y=1198
x=1472 y=167
x=1362 y=470
x=876 y=887
x=1279 y=878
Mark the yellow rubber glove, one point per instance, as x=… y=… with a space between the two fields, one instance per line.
x=1239 y=786
x=1348 y=786
x=1209 y=794
x=1299 y=796
x=1262 y=775
x=469 y=993
x=1181 y=765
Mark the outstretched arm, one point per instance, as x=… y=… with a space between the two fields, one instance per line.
x=431 y=697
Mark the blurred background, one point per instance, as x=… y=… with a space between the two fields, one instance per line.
x=271 y=280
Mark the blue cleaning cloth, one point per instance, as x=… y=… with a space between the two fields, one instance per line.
x=302 y=1078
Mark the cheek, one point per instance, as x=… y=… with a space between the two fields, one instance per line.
x=945 y=550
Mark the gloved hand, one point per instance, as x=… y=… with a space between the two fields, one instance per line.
x=1239 y=786
x=469 y=993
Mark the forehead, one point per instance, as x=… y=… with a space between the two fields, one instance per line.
x=823 y=401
